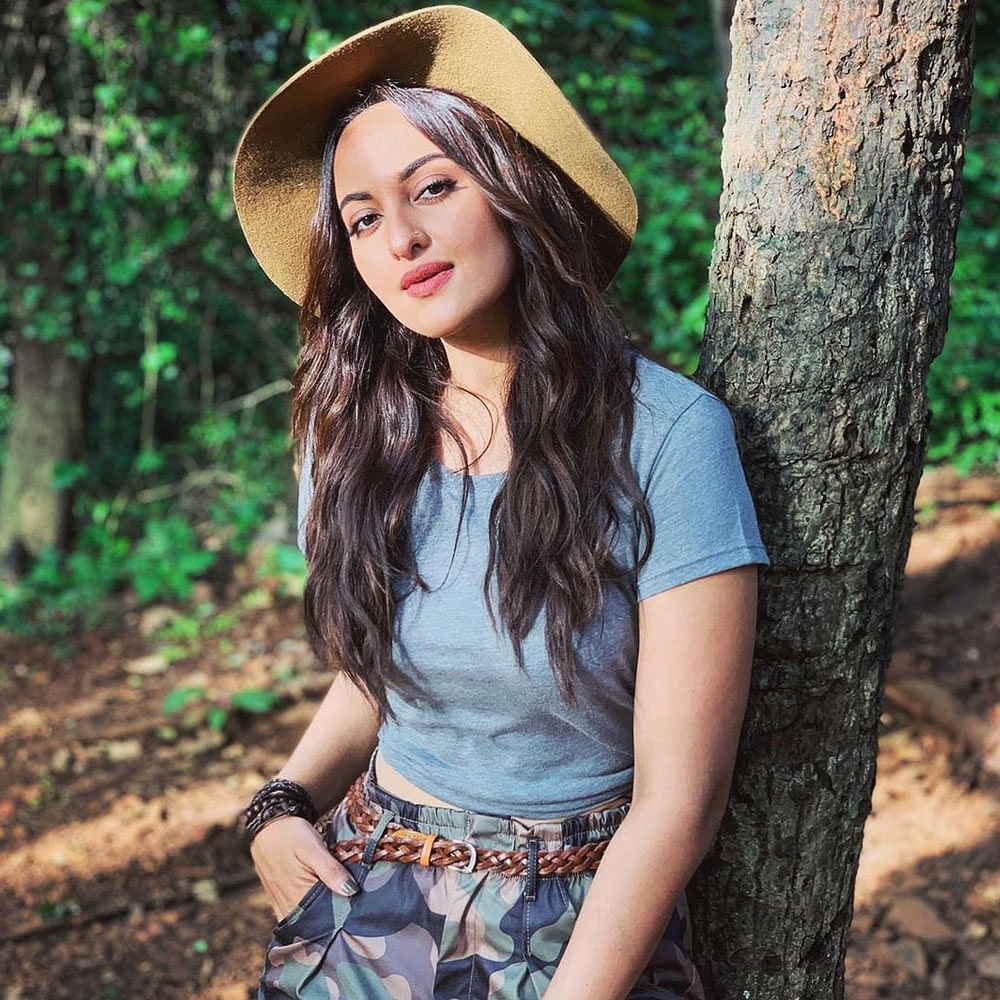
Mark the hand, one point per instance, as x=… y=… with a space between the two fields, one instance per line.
x=289 y=856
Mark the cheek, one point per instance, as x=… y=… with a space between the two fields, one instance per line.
x=372 y=276
x=492 y=241
x=506 y=256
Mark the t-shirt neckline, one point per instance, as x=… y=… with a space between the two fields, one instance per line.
x=451 y=475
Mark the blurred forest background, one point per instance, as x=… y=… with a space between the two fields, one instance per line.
x=121 y=249
x=153 y=666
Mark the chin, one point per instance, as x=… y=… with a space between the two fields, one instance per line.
x=430 y=334
x=434 y=329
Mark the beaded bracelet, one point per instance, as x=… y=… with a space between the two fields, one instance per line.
x=279 y=797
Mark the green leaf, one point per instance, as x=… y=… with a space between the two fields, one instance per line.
x=179 y=698
x=216 y=717
x=255 y=700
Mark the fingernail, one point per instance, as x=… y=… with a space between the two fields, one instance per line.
x=350 y=887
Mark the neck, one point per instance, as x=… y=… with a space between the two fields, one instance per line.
x=478 y=375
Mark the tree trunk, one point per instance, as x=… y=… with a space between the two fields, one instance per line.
x=47 y=428
x=842 y=157
x=49 y=375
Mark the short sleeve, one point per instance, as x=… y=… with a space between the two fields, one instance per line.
x=699 y=501
x=305 y=489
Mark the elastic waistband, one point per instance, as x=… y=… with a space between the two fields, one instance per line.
x=500 y=833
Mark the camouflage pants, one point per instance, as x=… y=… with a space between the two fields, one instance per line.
x=418 y=932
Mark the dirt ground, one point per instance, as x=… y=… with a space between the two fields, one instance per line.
x=123 y=876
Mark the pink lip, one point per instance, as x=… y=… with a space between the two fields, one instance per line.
x=421 y=289
x=423 y=271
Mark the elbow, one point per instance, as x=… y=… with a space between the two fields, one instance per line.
x=697 y=821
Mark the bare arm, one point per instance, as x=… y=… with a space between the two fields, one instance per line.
x=692 y=683
x=336 y=745
x=288 y=854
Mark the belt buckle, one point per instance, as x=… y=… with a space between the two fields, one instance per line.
x=469 y=865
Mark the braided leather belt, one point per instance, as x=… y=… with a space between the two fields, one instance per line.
x=400 y=843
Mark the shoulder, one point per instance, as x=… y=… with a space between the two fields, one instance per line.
x=670 y=405
x=663 y=391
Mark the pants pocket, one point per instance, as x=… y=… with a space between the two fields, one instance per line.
x=550 y=918
x=297 y=910
x=299 y=944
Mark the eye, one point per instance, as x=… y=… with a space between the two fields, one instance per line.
x=445 y=184
x=357 y=223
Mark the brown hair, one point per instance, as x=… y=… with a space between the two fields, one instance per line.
x=372 y=388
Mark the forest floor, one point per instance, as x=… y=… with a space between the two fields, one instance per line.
x=123 y=877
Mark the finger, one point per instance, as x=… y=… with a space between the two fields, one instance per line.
x=333 y=873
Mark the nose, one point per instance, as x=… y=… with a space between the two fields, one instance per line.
x=405 y=238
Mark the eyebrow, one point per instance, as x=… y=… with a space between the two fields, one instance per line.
x=409 y=169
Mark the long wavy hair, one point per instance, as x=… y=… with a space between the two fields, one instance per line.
x=372 y=390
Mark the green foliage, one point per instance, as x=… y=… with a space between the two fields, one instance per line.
x=166 y=558
x=159 y=547
x=203 y=707
x=646 y=77
x=70 y=589
x=64 y=591
x=964 y=380
x=121 y=247
x=287 y=559
x=180 y=697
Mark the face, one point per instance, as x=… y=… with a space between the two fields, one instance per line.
x=435 y=215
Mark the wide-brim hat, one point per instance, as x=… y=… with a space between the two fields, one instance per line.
x=277 y=165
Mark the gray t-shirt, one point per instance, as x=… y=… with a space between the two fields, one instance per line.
x=503 y=742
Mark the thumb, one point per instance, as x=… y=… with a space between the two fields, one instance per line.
x=333 y=873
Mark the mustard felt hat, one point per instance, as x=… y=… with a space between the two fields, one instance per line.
x=276 y=167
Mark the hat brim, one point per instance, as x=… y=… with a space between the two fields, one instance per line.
x=276 y=167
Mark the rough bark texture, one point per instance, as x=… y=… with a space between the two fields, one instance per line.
x=841 y=165
x=47 y=428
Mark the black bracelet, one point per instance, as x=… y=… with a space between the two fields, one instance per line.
x=278 y=797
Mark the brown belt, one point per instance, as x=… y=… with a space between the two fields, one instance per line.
x=400 y=843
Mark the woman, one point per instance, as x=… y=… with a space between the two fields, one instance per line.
x=531 y=550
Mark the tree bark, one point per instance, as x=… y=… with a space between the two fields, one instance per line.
x=47 y=428
x=49 y=374
x=843 y=142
